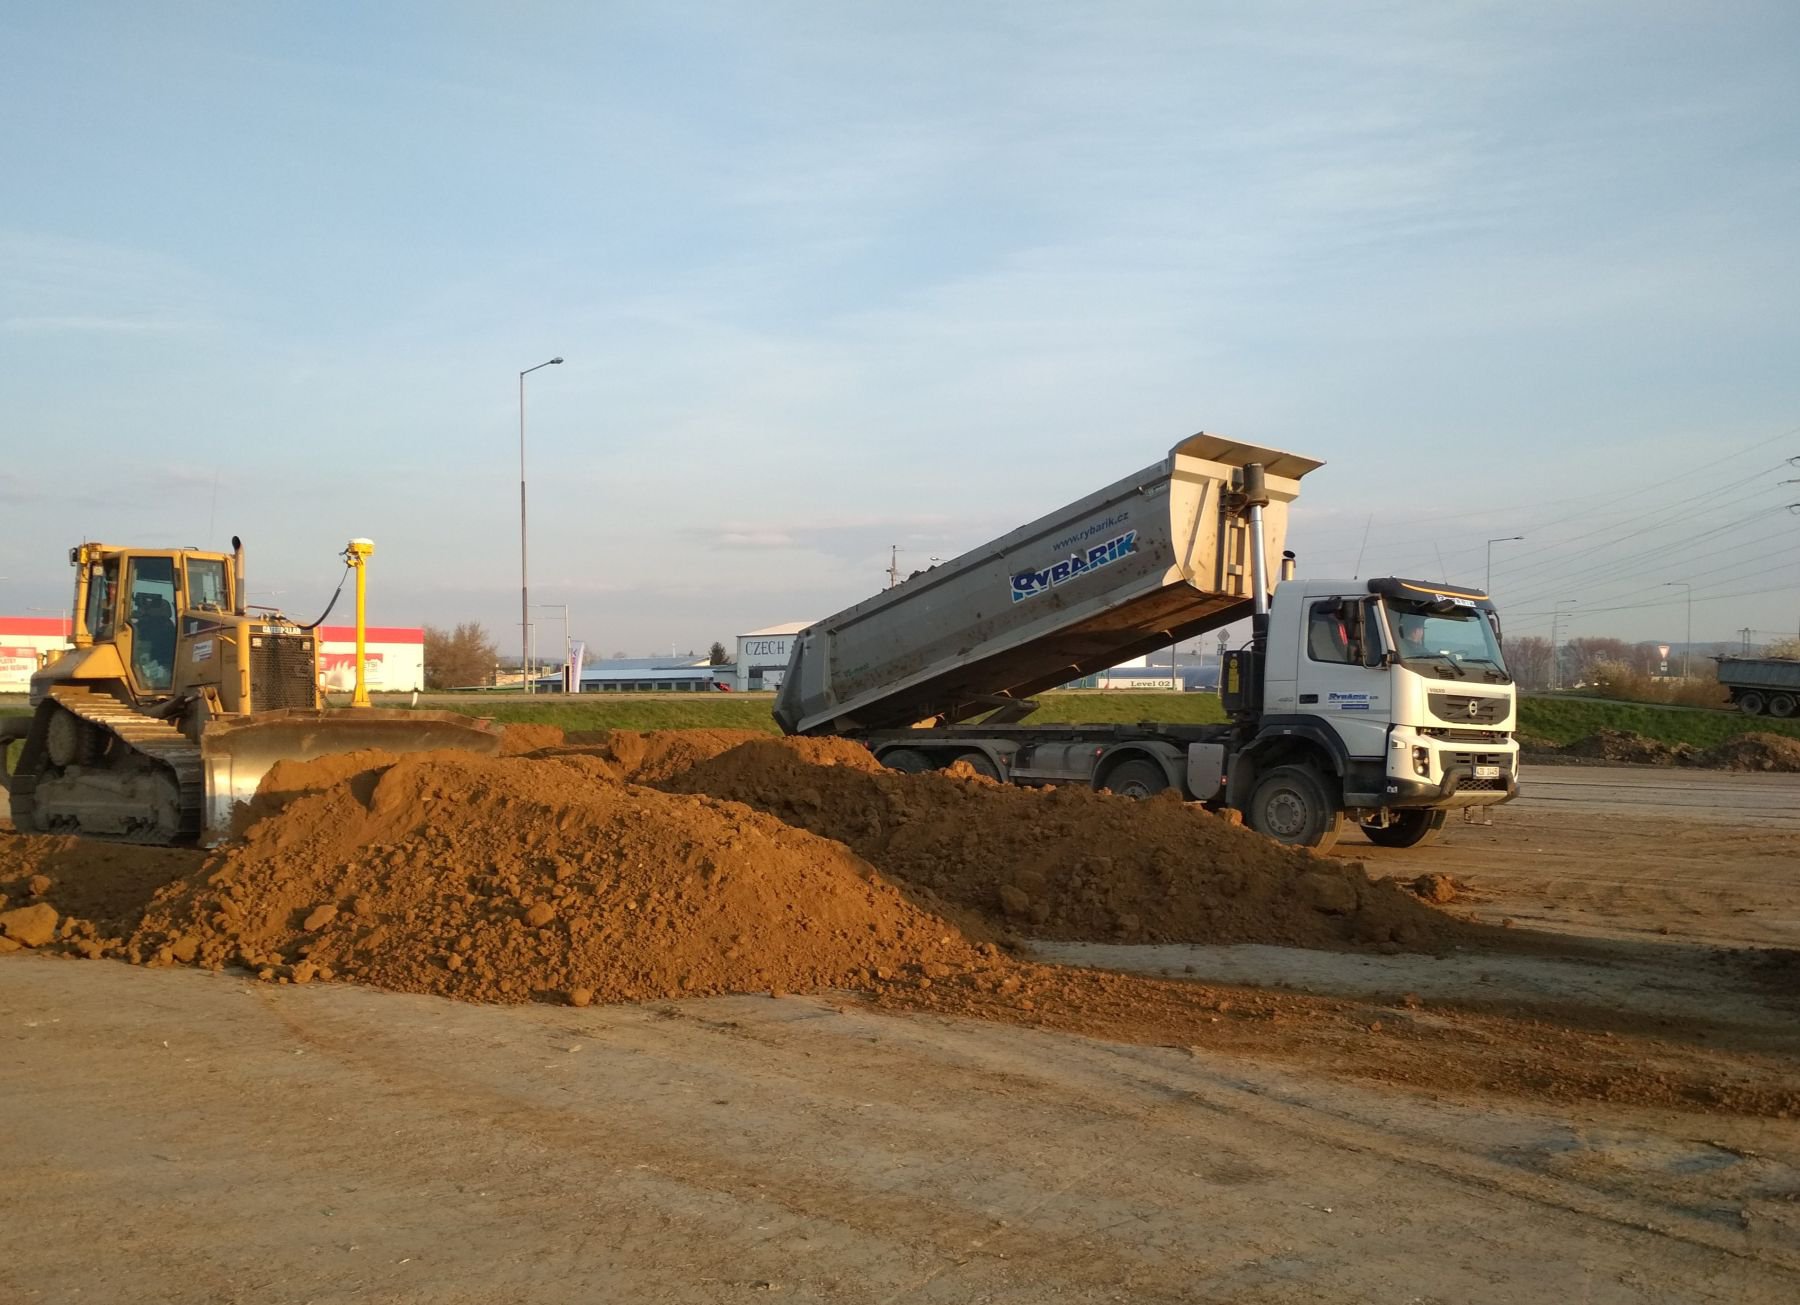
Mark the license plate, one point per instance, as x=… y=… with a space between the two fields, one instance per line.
x=1487 y=772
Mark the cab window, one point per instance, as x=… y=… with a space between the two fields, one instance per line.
x=206 y=584
x=102 y=585
x=1332 y=633
x=150 y=611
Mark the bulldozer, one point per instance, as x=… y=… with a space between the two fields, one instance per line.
x=177 y=697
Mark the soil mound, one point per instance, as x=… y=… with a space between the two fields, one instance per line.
x=1758 y=751
x=1070 y=863
x=97 y=891
x=505 y=879
x=520 y=738
x=646 y=757
x=1635 y=749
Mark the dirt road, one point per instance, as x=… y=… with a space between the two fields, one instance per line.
x=171 y=1135
x=180 y=1137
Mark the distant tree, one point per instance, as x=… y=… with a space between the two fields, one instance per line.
x=1782 y=648
x=619 y=654
x=1528 y=658
x=717 y=656
x=1581 y=656
x=459 y=658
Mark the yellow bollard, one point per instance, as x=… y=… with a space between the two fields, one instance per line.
x=357 y=555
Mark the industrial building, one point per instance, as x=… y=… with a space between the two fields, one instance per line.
x=762 y=656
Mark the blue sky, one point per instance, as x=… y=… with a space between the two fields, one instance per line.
x=830 y=277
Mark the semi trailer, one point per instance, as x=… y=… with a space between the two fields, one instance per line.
x=1385 y=702
x=1762 y=684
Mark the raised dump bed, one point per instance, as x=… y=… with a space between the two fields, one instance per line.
x=1160 y=555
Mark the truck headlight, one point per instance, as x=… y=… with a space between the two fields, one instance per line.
x=1422 y=761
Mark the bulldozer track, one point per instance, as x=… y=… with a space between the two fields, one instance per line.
x=157 y=740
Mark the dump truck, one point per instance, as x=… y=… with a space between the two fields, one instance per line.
x=177 y=697
x=1762 y=684
x=1385 y=702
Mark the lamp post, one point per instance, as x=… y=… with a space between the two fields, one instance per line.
x=524 y=583
x=1504 y=539
x=1687 y=650
x=1556 y=643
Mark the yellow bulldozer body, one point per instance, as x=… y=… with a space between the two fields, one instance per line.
x=176 y=698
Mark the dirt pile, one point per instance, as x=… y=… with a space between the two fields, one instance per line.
x=1760 y=751
x=504 y=879
x=1757 y=751
x=84 y=896
x=1633 y=749
x=1070 y=863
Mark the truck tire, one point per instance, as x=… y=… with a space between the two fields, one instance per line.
x=908 y=761
x=1407 y=829
x=1137 y=778
x=1751 y=703
x=980 y=763
x=1293 y=805
x=1782 y=705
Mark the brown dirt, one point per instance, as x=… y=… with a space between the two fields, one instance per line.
x=102 y=888
x=512 y=878
x=1407 y=1041
x=1758 y=751
x=1069 y=863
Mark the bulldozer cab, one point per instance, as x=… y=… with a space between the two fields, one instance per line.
x=168 y=616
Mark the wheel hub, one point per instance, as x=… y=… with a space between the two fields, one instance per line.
x=1285 y=814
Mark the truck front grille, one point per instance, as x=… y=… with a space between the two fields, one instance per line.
x=1467 y=709
x=281 y=671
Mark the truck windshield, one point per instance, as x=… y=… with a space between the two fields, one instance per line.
x=1458 y=642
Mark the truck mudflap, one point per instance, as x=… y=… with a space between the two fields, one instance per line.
x=236 y=754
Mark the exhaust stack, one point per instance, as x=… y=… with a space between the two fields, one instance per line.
x=1256 y=498
x=237 y=567
x=1287 y=565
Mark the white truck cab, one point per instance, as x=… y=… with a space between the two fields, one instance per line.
x=1399 y=691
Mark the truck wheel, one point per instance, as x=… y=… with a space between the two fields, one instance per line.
x=1407 y=829
x=1137 y=778
x=1751 y=704
x=908 y=761
x=1782 y=705
x=1292 y=805
x=981 y=764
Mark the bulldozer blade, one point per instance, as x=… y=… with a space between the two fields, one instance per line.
x=236 y=754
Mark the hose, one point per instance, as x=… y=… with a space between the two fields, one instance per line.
x=333 y=603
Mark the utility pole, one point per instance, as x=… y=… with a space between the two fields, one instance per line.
x=893 y=565
x=1556 y=643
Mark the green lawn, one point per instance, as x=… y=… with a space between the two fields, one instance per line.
x=726 y=711
x=1557 y=720
x=1563 y=720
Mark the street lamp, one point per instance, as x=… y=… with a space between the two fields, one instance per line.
x=1687 y=650
x=524 y=585
x=1504 y=539
x=1555 y=644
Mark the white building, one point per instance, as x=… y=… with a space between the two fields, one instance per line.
x=762 y=656
x=394 y=658
x=394 y=655
x=26 y=642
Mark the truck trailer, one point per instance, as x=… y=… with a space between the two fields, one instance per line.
x=1762 y=684
x=1382 y=701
